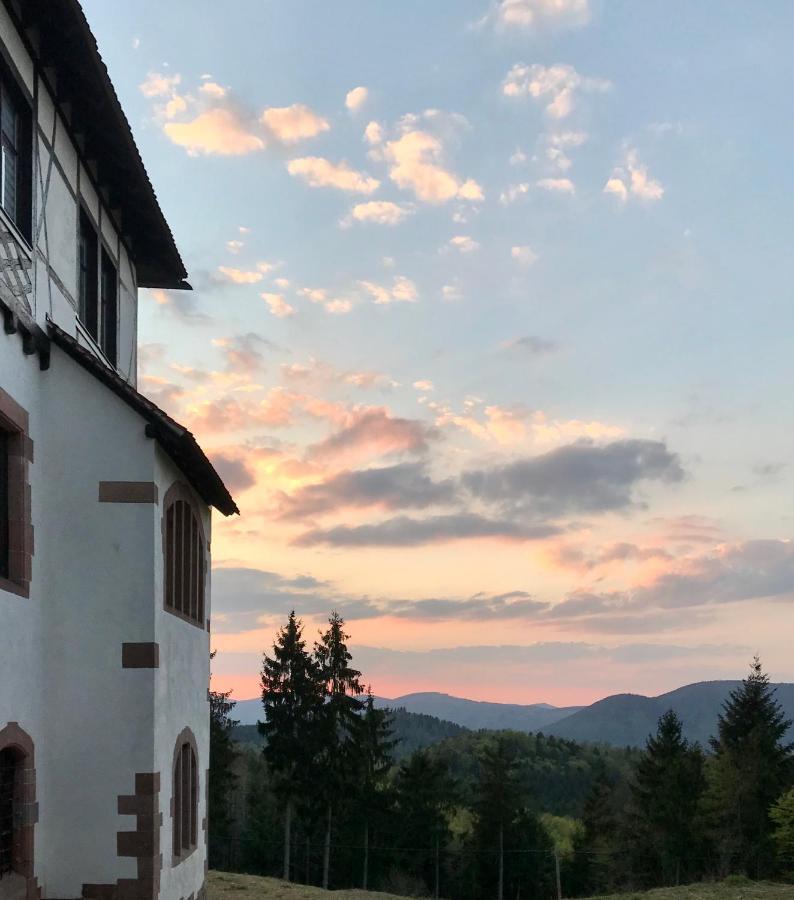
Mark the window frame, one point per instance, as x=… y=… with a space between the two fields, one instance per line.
x=184 y=797
x=16 y=570
x=13 y=92
x=108 y=301
x=88 y=301
x=175 y=565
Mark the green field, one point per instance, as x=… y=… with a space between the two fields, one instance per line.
x=226 y=886
x=724 y=891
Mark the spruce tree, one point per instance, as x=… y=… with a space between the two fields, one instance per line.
x=292 y=699
x=372 y=753
x=782 y=815
x=342 y=688
x=751 y=768
x=222 y=777
x=425 y=794
x=667 y=793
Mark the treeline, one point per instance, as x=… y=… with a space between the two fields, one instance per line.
x=487 y=814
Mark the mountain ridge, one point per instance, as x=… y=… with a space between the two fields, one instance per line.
x=624 y=719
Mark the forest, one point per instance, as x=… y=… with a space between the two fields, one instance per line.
x=327 y=796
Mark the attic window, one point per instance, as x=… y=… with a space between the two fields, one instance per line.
x=16 y=155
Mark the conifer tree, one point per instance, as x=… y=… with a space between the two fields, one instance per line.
x=782 y=815
x=292 y=699
x=425 y=793
x=342 y=688
x=372 y=751
x=667 y=792
x=222 y=778
x=751 y=768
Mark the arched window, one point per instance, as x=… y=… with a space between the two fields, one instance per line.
x=185 y=797
x=185 y=556
x=10 y=768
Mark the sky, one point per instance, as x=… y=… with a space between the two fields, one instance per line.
x=490 y=333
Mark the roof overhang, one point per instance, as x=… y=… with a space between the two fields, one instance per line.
x=176 y=441
x=59 y=39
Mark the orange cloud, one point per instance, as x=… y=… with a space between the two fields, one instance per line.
x=290 y=124
x=319 y=172
x=218 y=131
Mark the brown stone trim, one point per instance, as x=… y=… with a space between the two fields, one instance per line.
x=14 y=737
x=143 y=844
x=14 y=422
x=128 y=492
x=140 y=656
x=186 y=736
x=181 y=491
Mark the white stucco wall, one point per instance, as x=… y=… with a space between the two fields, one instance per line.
x=97 y=583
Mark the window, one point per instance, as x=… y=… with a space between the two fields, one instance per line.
x=16 y=155
x=185 y=808
x=16 y=530
x=109 y=297
x=185 y=562
x=89 y=244
x=9 y=784
x=4 y=505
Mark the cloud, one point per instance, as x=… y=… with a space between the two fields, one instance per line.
x=424 y=385
x=577 y=478
x=532 y=345
x=513 y=192
x=373 y=431
x=183 y=304
x=244 y=352
x=404 y=531
x=234 y=471
x=278 y=305
x=416 y=162
x=373 y=133
x=356 y=98
x=556 y=85
x=403 y=290
x=524 y=256
x=633 y=180
x=535 y=14
x=378 y=212
x=217 y=131
x=214 y=90
x=240 y=276
x=319 y=172
x=463 y=243
x=290 y=124
x=402 y=486
x=157 y=84
x=558 y=185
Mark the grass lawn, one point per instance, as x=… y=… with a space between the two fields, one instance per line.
x=227 y=886
x=723 y=891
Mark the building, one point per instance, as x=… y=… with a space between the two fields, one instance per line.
x=104 y=500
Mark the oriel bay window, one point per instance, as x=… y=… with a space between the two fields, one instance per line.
x=185 y=556
x=16 y=530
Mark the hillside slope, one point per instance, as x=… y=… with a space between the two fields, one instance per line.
x=476 y=714
x=628 y=719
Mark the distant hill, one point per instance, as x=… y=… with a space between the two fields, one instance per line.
x=412 y=731
x=628 y=719
x=477 y=714
x=620 y=720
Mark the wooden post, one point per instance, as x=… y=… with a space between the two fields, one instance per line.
x=438 y=872
x=366 y=857
x=500 y=892
x=557 y=870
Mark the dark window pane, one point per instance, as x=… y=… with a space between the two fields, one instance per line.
x=110 y=313
x=4 y=506
x=169 y=556
x=178 y=555
x=89 y=311
x=177 y=829
x=186 y=754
